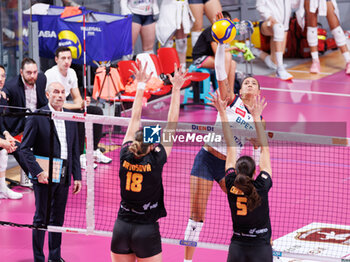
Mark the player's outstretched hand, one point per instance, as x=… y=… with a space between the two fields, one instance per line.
x=140 y=72
x=216 y=101
x=179 y=78
x=257 y=107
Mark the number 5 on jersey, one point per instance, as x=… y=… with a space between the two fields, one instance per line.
x=241 y=205
x=134 y=182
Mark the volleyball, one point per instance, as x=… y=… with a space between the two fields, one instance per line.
x=223 y=31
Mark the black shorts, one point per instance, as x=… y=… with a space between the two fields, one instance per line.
x=242 y=253
x=208 y=166
x=143 y=240
x=143 y=19
x=197 y=1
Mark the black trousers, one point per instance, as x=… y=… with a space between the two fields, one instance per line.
x=97 y=128
x=58 y=207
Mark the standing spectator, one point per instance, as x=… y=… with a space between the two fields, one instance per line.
x=205 y=49
x=65 y=75
x=36 y=141
x=200 y=7
x=6 y=146
x=276 y=15
x=175 y=19
x=26 y=91
x=144 y=17
x=329 y=9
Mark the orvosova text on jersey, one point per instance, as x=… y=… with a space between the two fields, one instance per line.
x=141 y=185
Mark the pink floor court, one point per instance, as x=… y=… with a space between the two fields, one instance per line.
x=326 y=100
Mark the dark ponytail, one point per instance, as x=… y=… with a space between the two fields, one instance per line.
x=245 y=168
x=138 y=147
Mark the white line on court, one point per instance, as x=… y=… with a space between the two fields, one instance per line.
x=304 y=92
x=307 y=72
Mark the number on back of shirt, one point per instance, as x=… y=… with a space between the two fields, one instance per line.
x=241 y=205
x=134 y=182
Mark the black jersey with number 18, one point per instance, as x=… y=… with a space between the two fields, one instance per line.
x=249 y=227
x=141 y=185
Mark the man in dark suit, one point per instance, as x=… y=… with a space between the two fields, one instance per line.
x=25 y=91
x=5 y=145
x=36 y=141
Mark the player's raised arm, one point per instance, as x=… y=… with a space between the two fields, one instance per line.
x=142 y=78
x=226 y=91
x=256 y=109
x=173 y=115
x=221 y=105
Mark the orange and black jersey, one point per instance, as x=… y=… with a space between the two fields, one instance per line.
x=249 y=227
x=141 y=185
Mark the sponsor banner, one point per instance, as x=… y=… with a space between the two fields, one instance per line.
x=105 y=41
x=318 y=240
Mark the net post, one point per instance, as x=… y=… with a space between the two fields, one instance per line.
x=90 y=216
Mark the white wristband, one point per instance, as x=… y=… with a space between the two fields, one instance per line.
x=141 y=85
x=220 y=63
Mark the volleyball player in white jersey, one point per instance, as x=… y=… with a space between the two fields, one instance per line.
x=276 y=14
x=209 y=164
x=329 y=9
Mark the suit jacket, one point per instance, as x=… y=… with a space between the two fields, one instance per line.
x=37 y=136
x=14 y=90
x=3 y=104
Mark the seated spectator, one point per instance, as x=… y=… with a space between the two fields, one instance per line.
x=62 y=73
x=25 y=91
x=268 y=59
x=204 y=52
x=5 y=147
x=330 y=10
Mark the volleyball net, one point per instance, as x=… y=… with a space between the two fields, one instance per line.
x=309 y=200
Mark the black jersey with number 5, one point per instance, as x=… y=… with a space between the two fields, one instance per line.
x=249 y=227
x=141 y=185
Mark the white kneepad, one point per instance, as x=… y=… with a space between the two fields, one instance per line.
x=278 y=32
x=311 y=36
x=194 y=37
x=181 y=45
x=339 y=36
x=193 y=230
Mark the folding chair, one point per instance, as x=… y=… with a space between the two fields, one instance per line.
x=124 y=68
x=167 y=58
